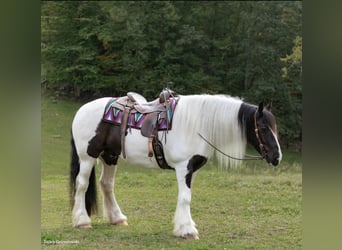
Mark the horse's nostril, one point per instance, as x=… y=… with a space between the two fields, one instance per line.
x=275 y=162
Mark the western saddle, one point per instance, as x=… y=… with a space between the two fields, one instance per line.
x=153 y=111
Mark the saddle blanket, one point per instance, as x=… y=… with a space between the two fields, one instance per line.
x=135 y=120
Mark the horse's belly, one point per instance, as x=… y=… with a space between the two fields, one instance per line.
x=136 y=147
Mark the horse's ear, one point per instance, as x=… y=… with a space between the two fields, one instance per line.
x=269 y=106
x=260 y=108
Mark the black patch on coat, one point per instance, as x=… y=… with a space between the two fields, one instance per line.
x=106 y=143
x=246 y=123
x=195 y=163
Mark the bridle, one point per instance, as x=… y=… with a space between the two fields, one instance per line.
x=256 y=130
x=247 y=157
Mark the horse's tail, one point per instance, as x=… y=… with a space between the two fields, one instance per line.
x=90 y=196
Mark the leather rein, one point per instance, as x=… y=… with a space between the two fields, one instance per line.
x=247 y=157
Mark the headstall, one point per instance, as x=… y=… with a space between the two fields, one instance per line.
x=256 y=130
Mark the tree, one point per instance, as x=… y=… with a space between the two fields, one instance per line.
x=292 y=76
x=246 y=49
x=69 y=44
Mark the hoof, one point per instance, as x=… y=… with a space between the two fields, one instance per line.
x=121 y=223
x=84 y=226
x=191 y=237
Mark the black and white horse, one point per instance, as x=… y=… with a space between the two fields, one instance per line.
x=226 y=122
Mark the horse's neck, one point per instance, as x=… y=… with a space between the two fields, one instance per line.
x=246 y=117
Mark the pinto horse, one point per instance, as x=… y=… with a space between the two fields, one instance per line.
x=226 y=122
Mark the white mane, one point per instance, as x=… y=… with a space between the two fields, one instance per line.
x=216 y=118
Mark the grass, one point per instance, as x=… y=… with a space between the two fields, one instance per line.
x=253 y=207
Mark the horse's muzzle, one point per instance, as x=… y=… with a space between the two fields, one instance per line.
x=273 y=159
x=275 y=162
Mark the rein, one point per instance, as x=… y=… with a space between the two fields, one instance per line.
x=247 y=157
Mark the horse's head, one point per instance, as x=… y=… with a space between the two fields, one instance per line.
x=266 y=135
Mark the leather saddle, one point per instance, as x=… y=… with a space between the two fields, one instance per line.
x=140 y=104
x=153 y=111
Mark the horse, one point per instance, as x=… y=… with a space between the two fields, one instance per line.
x=227 y=122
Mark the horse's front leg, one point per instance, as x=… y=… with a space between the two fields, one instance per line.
x=184 y=225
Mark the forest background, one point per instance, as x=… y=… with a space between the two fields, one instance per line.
x=247 y=49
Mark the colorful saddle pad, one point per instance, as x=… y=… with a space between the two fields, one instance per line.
x=114 y=115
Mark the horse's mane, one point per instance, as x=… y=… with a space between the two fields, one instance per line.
x=216 y=118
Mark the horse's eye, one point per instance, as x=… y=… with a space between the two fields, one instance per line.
x=262 y=128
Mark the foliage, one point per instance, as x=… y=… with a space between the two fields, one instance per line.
x=92 y=49
x=292 y=78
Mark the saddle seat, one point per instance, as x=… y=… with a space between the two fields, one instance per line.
x=135 y=97
x=142 y=106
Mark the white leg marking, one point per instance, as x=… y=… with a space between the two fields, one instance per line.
x=184 y=225
x=80 y=217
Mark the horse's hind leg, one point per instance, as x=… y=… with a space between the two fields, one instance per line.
x=80 y=217
x=111 y=208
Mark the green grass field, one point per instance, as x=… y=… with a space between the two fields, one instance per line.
x=254 y=207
